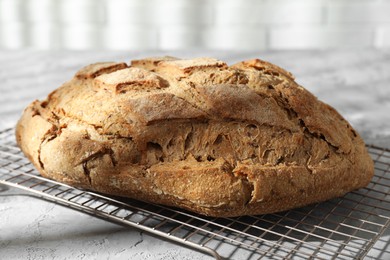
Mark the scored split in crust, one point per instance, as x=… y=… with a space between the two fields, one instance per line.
x=195 y=134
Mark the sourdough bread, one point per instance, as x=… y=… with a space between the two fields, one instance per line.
x=196 y=134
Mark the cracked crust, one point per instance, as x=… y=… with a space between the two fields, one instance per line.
x=195 y=134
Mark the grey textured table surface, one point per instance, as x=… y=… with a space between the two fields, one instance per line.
x=355 y=82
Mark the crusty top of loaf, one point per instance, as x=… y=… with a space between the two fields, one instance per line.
x=166 y=88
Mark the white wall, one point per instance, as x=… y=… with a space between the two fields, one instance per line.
x=194 y=24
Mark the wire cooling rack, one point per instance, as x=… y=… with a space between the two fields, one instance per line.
x=342 y=228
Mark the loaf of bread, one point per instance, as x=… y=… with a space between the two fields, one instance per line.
x=196 y=134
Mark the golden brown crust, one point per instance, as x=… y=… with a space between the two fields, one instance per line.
x=96 y=69
x=128 y=79
x=195 y=134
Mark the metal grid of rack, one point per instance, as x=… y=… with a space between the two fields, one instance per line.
x=342 y=228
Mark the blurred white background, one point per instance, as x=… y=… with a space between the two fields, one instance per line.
x=194 y=24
